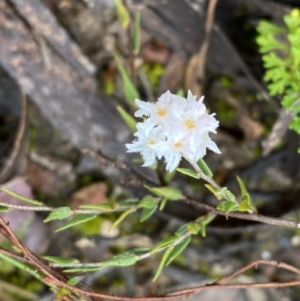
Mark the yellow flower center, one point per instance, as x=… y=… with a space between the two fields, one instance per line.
x=178 y=145
x=151 y=142
x=161 y=112
x=190 y=123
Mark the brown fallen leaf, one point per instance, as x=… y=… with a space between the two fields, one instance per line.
x=94 y=193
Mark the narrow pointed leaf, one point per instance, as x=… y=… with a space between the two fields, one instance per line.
x=136 y=33
x=242 y=186
x=122 y=217
x=163 y=262
x=188 y=172
x=205 y=169
x=20 y=198
x=182 y=230
x=78 y=219
x=128 y=119
x=165 y=242
x=130 y=91
x=169 y=193
x=129 y=202
x=213 y=190
x=62 y=261
x=203 y=230
x=59 y=214
x=178 y=249
x=163 y=204
x=104 y=207
x=123 y=14
x=147 y=212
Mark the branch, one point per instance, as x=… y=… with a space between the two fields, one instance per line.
x=246 y=216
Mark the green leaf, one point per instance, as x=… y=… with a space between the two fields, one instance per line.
x=147 y=212
x=169 y=193
x=148 y=202
x=140 y=251
x=163 y=262
x=193 y=228
x=273 y=60
x=213 y=190
x=74 y=280
x=178 y=249
x=20 y=198
x=59 y=213
x=265 y=27
x=129 y=202
x=246 y=204
x=205 y=169
x=4 y=208
x=104 y=207
x=128 y=119
x=188 y=172
x=122 y=217
x=136 y=33
x=220 y=193
x=203 y=230
x=182 y=230
x=242 y=186
x=78 y=219
x=169 y=240
x=84 y=269
x=62 y=261
x=227 y=206
x=269 y=42
x=123 y=14
x=130 y=91
x=230 y=196
x=122 y=260
x=292 y=21
x=295 y=125
x=163 y=204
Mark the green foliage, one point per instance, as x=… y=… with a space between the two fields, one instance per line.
x=21 y=198
x=59 y=213
x=154 y=72
x=189 y=172
x=128 y=119
x=78 y=219
x=136 y=33
x=205 y=169
x=60 y=260
x=169 y=193
x=122 y=13
x=228 y=206
x=246 y=203
x=130 y=90
x=282 y=62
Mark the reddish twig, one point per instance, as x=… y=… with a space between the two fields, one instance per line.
x=58 y=279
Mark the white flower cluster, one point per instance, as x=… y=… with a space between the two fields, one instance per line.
x=175 y=127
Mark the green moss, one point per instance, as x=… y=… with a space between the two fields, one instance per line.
x=154 y=71
x=91 y=227
x=226 y=81
x=225 y=112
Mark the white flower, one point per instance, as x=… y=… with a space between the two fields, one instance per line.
x=174 y=128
